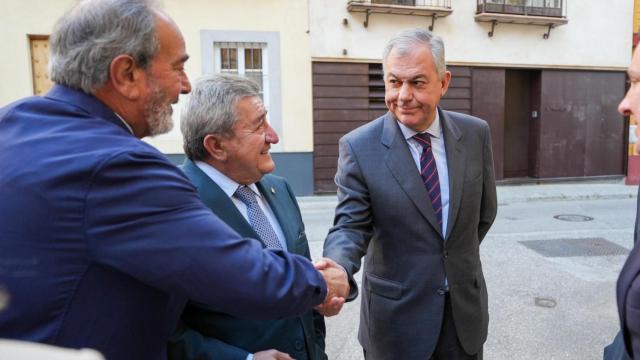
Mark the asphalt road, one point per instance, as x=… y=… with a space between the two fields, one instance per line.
x=554 y=303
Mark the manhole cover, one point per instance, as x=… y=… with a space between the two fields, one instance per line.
x=575 y=247
x=573 y=217
x=545 y=302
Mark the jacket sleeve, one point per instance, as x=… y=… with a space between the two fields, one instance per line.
x=352 y=229
x=489 y=204
x=145 y=219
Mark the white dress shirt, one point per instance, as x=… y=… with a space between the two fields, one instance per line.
x=439 y=154
x=229 y=187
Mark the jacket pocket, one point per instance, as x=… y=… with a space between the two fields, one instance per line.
x=383 y=287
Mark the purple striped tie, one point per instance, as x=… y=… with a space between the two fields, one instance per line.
x=429 y=173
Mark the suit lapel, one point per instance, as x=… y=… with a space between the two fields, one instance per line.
x=216 y=200
x=277 y=203
x=456 y=160
x=401 y=165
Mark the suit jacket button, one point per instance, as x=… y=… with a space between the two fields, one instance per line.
x=299 y=345
x=441 y=291
x=445 y=254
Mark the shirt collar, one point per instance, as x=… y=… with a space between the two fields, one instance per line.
x=434 y=129
x=124 y=122
x=228 y=185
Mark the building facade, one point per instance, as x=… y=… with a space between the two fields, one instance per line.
x=546 y=74
x=265 y=40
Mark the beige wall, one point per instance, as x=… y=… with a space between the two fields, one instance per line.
x=597 y=36
x=288 y=17
x=18 y=19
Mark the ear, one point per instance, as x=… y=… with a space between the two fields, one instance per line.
x=445 y=82
x=127 y=77
x=215 y=146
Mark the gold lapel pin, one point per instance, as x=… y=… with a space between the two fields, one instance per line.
x=273 y=191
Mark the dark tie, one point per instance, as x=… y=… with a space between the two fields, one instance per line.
x=429 y=173
x=257 y=218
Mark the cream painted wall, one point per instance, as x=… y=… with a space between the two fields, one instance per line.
x=288 y=17
x=18 y=19
x=596 y=37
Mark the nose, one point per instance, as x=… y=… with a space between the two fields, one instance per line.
x=624 y=107
x=270 y=135
x=406 y=92
x=185 y=85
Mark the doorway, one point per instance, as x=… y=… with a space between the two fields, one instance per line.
x=521 y=117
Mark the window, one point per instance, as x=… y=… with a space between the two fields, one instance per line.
x=246 y=59
x=255 y=54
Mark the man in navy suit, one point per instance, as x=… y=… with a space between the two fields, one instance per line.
x=102 y=239
x=227 y=139
x=628 y=288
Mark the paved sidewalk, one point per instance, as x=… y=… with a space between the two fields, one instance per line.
x=579 y=325
x=578 y=190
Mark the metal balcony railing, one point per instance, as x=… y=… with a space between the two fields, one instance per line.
x=424 y=3
x=428 y=8
x=548 y=8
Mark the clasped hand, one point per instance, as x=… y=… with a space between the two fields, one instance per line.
x=337 y=286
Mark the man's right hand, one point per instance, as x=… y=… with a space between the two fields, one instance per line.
x=271 y=354
x=337 y=285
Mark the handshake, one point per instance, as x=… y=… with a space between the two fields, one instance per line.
x=337 y=286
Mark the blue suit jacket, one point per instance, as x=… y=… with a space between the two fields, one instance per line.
x=628 y=294
x=102 y=239
x=211 y=334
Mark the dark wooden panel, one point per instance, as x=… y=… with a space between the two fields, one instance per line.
x=455 y=104
x=488 y=104
x=581 y=133
x=325 y=162
x=459 y=70
x=517 y=113
x=327 y=138
x=460 y=82
x=340 y=103
x=340 y=68
x=340 y=91
x=341 y=80
x=326 y=150
x=344 y=127
x=534 y=126
x=458 y=93
x=340 y=115
x=325 y=173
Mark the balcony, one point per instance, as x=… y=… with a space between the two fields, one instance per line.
x=428 y=8
x=550 y=13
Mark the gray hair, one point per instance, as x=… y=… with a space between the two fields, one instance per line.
x=406 y=41
x=93 y=33
x=210 y=109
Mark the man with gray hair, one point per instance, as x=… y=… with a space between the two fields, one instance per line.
x=417 y=195
x=102 y=239
x=227 y=139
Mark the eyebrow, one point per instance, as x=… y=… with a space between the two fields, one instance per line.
x=182 y=59
x=415 y=77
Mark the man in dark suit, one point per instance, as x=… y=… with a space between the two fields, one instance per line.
x=102 y=239
x=628 y=288
x=417 y=195
x=227 y=139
